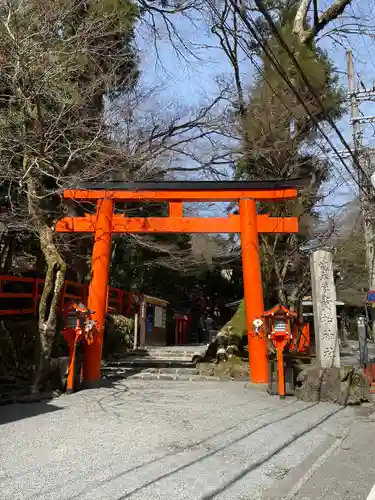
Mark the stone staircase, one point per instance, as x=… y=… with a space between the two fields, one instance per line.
x=158 y=363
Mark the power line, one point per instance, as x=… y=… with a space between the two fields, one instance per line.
x=287 y=107
x=252 y=28
x=262 y=74
x=285 y=46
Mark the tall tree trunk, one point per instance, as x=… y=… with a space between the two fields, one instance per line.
x=49 y=304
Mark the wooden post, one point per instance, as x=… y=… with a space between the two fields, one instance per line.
x=143 y=319
x=135 y=331
x=175 y=209
x=97 y=300
x=253 y=291
x=280 y=371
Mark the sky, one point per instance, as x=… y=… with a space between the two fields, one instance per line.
x=191 y=81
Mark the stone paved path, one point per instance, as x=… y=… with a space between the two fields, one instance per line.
x=155 y=440
x=348 y=473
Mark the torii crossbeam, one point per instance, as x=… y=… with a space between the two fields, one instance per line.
x=248 y=223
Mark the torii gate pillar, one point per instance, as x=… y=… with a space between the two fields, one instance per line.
x=98 y=290
x=253 y=290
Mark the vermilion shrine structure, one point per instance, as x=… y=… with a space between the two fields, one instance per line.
x=248 y=223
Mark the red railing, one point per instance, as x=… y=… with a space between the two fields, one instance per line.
x=20 y=296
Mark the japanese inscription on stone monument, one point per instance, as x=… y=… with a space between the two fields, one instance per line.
x=325 y=316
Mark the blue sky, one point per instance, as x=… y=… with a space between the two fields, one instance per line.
x=191 y=81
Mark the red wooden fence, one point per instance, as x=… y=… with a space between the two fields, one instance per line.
x=20 y=296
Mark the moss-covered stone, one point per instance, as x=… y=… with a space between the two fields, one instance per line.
x=234 y=368
x=236 y=326
x=118 y=335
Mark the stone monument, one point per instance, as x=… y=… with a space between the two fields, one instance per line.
x=325 y=315
x=362 y=338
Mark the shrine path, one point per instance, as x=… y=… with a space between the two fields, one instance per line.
x=154 y=440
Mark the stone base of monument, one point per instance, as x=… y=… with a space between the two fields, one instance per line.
x=344 y=386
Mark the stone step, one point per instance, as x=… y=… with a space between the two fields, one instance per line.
x=152 y=359
x=170 y=376
x=151 y=363
x=138 y=352
x=166 y=350
x=177 y=349
x=126 y=370
x=188 y=359
x=120 y=374
x=166 y=374
x=164 y=357
x=174 y=355
x=182 y=374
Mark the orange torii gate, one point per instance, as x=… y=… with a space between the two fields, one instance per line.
x=248 y=223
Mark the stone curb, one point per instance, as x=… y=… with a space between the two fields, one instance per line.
x=287 y=487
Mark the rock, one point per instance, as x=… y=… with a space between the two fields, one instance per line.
x=226 y=344
x=221 y=354
x=234 y=368
x=343 y=386
x=359 y=387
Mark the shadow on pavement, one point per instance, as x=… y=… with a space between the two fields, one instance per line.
x=175 y=452
x=192 y=462
x=223 y=447
x=19 y=411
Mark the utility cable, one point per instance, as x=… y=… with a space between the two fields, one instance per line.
x=262 y=74
x=285 y=46
x=249 y=23
x=287 y=107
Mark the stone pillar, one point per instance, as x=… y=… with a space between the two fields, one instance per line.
x=325 y=315
x=362 y=338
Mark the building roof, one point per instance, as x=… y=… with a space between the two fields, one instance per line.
x=233 y=304
x=155 y=301
x=194 y=185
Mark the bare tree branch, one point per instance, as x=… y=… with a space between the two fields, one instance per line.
x=329 y=15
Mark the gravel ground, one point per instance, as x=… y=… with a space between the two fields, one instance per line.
x=159 y=440
x=348 y=474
